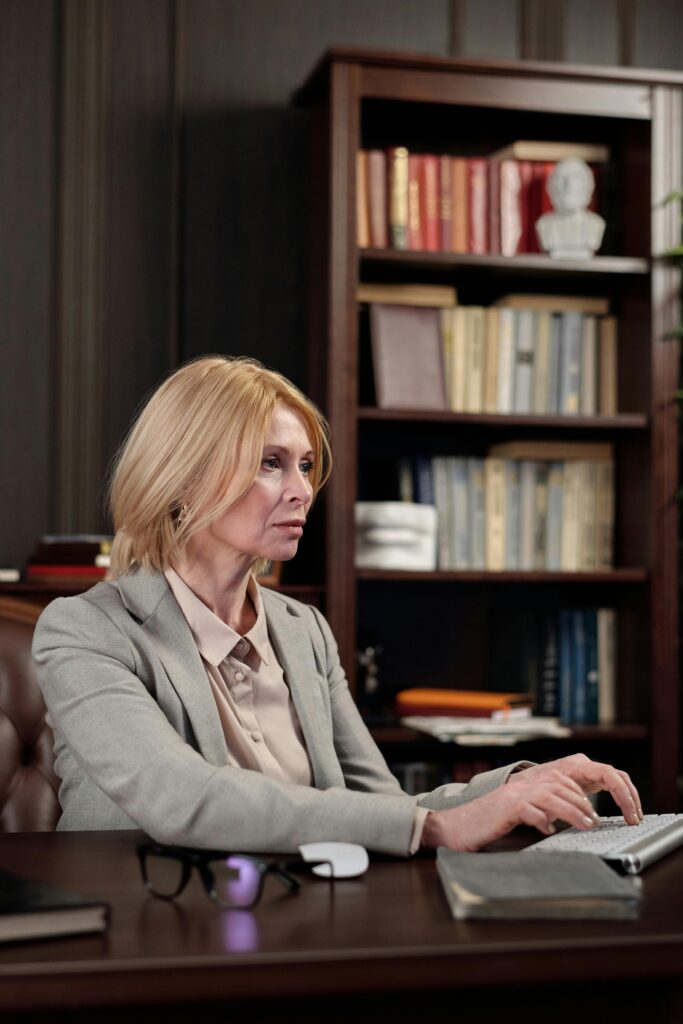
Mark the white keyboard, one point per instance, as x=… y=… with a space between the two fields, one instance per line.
x=634 y=847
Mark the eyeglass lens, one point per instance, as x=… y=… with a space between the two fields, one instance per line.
x=236 y=880
x=164 y=874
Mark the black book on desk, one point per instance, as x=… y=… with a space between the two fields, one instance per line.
x=33 y=910
x=567 y=885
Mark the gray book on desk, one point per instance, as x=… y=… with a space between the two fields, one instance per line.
x=504 y=885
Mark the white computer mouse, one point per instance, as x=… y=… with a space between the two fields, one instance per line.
x=347 y=859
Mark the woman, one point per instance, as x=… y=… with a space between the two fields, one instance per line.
x=191 y=703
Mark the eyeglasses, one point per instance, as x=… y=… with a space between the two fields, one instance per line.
x=233 y=881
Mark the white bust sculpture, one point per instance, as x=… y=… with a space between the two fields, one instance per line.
x=571 y=231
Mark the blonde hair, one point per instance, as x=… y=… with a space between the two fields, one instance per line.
x=194 y=452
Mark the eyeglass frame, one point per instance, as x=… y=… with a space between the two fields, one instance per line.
x=199 y=859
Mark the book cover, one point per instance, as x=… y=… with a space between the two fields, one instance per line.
x=597 y=450
x=461 y=526
x=607 y=626
x=553 y=396
x=477 y=513
x=530 y=149
x=428 y=171
x=588 y=522
x=527 y=477
x=491 y=355
x=578 y=668
x=460 y=204
x=428 y=701
x=439 y=296
x=475 y=334
x=590 y=633
x=443 y=502
x=543 y=323
x=512 y=515
x=423 y=481
x=32 y=910
x=377 y=198
x=458 y=383
x=571 y=348
x=571 y=499
x=553 y=554
x=362 y=210
x=540 y=515
x=407 y=356
x=478 y=206
x=545 y=303
x=589 y=367
x=524 y=361
x=534 y=885
x=494 y=473
x=494 y=207
x=510 y=195
x=445 y=204
x=506 y=360
x=415 y=240
x=604 y=558
x=566 y=690
x=549 y=681
x=607 y=345
x=397 y=171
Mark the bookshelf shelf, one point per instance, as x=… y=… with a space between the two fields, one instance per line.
x=363 y=101
x=523 y=264
x=400 y=734
x=624 y=421
x=612 y=576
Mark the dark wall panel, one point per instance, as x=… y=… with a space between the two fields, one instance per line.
x=27 y=234
x=245 y=159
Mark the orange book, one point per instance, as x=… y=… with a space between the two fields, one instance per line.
x=362 y=211
x=458 y=703
x=429 y=202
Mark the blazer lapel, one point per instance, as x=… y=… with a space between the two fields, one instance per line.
x=292 y=644
x=149 y=598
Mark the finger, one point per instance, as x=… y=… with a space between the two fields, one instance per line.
x=536 y=818
x=633 y=791
x=556 y=807
x=622 y=790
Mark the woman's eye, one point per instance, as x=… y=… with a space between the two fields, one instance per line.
x=306 y=467
x=271 y=462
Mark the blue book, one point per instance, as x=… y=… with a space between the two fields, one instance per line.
x=590 y=627
x=571 y=346
x=549 y=683
x=578 y=657
x=423 y=481
x=565 y=706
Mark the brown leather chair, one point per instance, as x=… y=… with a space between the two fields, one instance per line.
x=28 y=784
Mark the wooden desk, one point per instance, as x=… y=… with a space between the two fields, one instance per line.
x=382 y=947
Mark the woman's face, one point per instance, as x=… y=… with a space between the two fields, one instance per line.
x=268 y=521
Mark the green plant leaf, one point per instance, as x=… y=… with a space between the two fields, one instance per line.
x=677 y=332
x=675 y=252
x=672 y=197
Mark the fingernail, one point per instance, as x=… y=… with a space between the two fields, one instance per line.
x=551 y=829
x=589 y=821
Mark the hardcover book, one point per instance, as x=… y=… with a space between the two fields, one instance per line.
x=407 y=355
x=33 y=910
x=521 y=885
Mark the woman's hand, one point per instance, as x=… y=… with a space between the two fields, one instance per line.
x=535 y=796
x=590 y=777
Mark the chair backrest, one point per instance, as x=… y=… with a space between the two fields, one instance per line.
x=28 y=784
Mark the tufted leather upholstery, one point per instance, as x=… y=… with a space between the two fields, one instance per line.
x=28 y=784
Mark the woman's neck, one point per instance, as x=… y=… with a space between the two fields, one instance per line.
x=223 y=589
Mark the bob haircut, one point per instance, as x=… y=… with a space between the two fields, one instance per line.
x=194 y=451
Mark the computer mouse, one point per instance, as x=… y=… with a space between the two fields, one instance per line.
x=347 y=859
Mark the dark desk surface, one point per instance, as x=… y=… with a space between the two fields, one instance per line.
x=388 y=933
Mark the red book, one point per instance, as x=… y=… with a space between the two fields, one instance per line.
x=526 y=172
x=38 y=569
x=428 y=170
x=478 y=196
x=377 y=198
x=494 y=186
x=460 y=206
x=445 y=205
x=415 y=237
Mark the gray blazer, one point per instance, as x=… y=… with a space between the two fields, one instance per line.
x=139 y=743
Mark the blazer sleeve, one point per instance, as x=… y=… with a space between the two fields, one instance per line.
x=120 y=739
x=362 y=763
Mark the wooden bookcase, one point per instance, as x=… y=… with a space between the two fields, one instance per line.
x=436 y=628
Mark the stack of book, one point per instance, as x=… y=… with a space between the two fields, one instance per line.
x=80 y=558
x=547 y=355
x=529 y=506
x=464 y=204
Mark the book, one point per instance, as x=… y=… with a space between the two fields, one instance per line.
x=553 y=450
x=475 y=343
x=588 y=401
x=524 y=361
x=377 y=198
x=506 y=360
x=362 y=209
x=445 y=204
x=415 y=240
x=491 y=355
x=430 y=224
x=33 y=910
x=459 y=703
x=541 y=387
x=407 y=357
x=494 y=207
x=460 y=206
x=478 y=206
x=443 y=502
x=477 y=513
x=556 y=303
x=607 y=373
x=606 y=628
x=9 y=574
x=571 y=347
x=510 y=198
x=528 y=149
x=460 y=529
x=512 y=515
x=458 y=381
x=439 y=296
x=527 y=481
x=40 y=571
x=494 y=486
x=397 y=173
x=529 y=885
